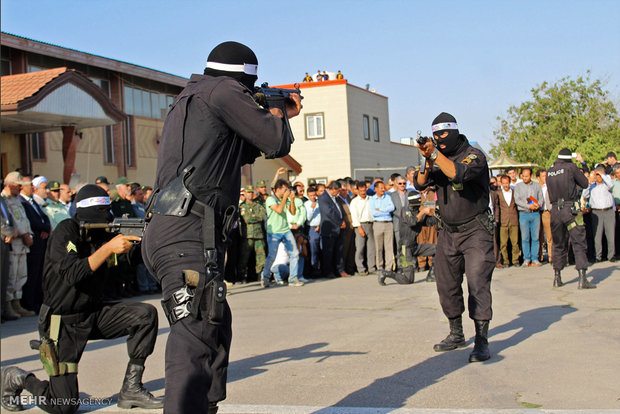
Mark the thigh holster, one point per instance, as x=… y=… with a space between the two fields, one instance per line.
x=48 y=348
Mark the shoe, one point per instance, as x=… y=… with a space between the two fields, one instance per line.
x=499 y=266
x=133 y=393
x=264 y=282
x=280 y=282
x=13 y=381
x=381 y=275
x=535 y=263
x=331 y=276
x=598 y=261
x=430 y=277
x=481 y=343
x=345 y=274
x=9 y=312
x=557 y=279
x=613 y=259
x=526 y=263
x=361 y=274
x=303 y=279
x=455 y=338
x=6 y=317
x=583 y=282
x=296 y=283
x=17 y=307
x=212 y=408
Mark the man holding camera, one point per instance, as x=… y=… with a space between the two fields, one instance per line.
x=465 y=241
x=213 y=128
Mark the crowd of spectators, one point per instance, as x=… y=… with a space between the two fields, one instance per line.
x=321 y=76
x=32 y=206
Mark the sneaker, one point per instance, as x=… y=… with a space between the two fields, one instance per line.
x=535 y=263
x=303 y=280
x=526 y=263
x=296 y=283
x=264 y=282
x=280 y=282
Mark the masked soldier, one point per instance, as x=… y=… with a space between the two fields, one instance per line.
x=465 y=241
x=412 y=220
x=564 y=183
x=252 y=233
x=213 y=128
x=73 y=312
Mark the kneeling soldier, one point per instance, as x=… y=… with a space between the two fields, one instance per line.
x=73 y=312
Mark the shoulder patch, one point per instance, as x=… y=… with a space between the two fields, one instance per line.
x=71 y=247
x=469 y=158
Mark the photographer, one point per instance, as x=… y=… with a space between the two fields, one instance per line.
x=73 y=313
x=412 y=219
x=213 y=128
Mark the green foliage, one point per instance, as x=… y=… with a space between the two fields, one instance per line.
x=575 y=114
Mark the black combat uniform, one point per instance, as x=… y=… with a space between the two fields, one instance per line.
x=465 y=240
x=410 y=227
x=75 y=293
x=215 y=126
x=565 y=182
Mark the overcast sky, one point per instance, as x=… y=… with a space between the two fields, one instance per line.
x=472 y=59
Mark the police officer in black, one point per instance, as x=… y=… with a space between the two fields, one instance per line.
x=213 y=128
x=565 y=182
x=412 y=219
x=73 y=313
x=465 y=240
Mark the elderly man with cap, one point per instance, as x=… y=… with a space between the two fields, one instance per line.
x=212 y=129
x=54 y=209
x=121 y=204
x=20 y=246
x=73 y=313
x=252 y=216
x=465 y=240
x=565 y=183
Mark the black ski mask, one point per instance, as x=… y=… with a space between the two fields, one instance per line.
x=446 y=122
x=93 y=205
x=234 y=60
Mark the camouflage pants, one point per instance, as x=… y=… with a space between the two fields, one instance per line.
x=247 y=246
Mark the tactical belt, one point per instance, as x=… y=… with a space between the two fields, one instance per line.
x=463 y=227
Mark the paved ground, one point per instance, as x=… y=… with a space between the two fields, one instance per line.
x=350 y=346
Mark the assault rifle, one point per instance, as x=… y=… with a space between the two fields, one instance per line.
x=274 y=97
x=123 y=225
x=419 y=141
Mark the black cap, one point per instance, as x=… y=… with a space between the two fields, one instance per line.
x=101 y=180
x=565 y=154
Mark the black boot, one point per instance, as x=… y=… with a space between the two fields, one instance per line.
x=455 y=338
x=381 y=275
x=13 y=380
x=583 y=282
x=212 y=408
x=133 y=393
x=430 y=277
x=557 y=280
x=481 y=343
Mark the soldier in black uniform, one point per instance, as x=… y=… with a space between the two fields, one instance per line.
x=73 y=312
x=465 y=241
x=412 y=219
x=213 y=128
x=565 y=182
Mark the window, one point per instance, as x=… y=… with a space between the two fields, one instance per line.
x=129 y=147
x=108 y=144
x=103 y=84
x=366 y=128
x=37 y=146
x=314 y=126
x=375 y=129
x=145 y=103
x=319 y=180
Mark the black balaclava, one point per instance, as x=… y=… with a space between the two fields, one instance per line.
x=446 y=122
x=565 y=154
x=234 y=60
x=93 y=205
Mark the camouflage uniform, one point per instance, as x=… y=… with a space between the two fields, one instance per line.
x=56 y=211
x=252 y=236
x=18 y=270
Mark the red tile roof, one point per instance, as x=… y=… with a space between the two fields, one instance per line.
x=18 y=87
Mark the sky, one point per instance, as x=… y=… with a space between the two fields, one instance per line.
x=473 y=59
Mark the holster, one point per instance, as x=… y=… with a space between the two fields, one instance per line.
x=172 y=200
x=48 y=347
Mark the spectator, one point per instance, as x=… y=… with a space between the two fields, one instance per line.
x=526 y=194
x=296 y=223
x=399 y=199
x=320 y=189
x=428 y=233
x=493 y=201
x=278 y=231
x=601 y=200
x=9 y=232
x=381 y=206
x=348 y=233
x=64 y=198
x=616 y=194
x=361 y=219
x=507 y=217
x=39 y=185
x=121 y=205
x=307 y=78
x=318 y=76
x=137 y=199
x=313 y=222
x=261 y=192
x=325 y=76
x=511 y=172
x=32 y=297
x=332 y=222
x=20 y=243
x=409 y=177
x=545 y=215
x=53 y=207
x=391 y=183
x=148 y=190
x=339 y=75
x=300 y=189
x=610 y=162
x=252 y=216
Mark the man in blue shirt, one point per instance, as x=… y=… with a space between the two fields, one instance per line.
x=381 y=206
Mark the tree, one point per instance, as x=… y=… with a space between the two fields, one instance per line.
x=575 y=114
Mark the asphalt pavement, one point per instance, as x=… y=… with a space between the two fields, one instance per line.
x=350 y=346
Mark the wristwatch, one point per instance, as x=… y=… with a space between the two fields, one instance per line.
x=433 y=156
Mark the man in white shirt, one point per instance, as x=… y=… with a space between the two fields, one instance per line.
x=364 y=237
x=603 y=213
x=313 y=215
x=545 y=215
